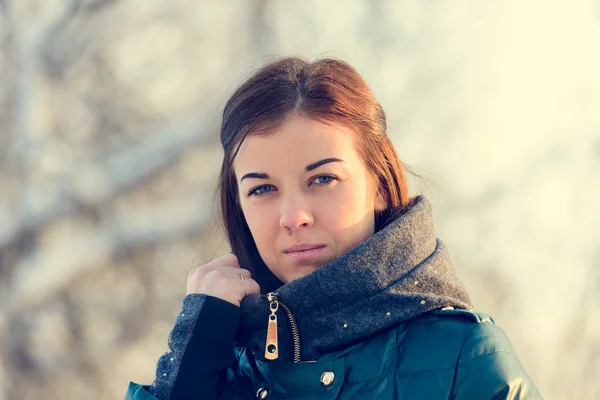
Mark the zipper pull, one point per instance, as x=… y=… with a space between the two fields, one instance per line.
x=272 y=346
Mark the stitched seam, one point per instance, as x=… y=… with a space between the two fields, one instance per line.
x=462 y=347
x=425 y=370
x=370 y=379
x=396 y=372
x=489 y=353
x=395 y=392
x=288 y=395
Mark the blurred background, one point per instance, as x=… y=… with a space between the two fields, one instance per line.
x=109 y=153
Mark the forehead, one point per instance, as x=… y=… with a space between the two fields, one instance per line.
x=300 y=140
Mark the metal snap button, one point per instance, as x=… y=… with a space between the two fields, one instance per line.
x=262 y=393
x=327 y=378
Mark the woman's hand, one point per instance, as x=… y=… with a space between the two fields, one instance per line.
x=221 y=278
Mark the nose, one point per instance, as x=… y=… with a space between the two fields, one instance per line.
x=295 y=214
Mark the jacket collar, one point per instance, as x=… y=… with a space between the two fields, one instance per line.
x=398 y=274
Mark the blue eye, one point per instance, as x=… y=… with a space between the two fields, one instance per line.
x=260 y=191
x=323 y=180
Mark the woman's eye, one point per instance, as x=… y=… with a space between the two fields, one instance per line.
x=261 y=190
x=323 y=180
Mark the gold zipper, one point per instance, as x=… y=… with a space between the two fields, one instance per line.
x=272 y=345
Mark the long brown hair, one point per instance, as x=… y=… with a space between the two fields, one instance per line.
x=327 y=90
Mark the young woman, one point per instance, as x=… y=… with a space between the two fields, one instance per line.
x=337 y=287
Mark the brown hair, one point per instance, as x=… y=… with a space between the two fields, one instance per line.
x=327 y=90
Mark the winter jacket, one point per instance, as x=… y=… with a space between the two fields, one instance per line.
x=388 y=320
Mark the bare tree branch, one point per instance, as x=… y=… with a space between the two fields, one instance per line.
x=38 y=282
x=119 y=172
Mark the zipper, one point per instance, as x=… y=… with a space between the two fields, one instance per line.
x=272 y=345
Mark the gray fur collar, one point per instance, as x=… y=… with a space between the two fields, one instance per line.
x=398 y=274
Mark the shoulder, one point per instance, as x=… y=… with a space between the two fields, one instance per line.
x=431 y=341
x=480 y=334
x=488 y=365
x=441 y=339
x=447 y=328
x=485 y=337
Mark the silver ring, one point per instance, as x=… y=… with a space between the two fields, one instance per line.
x=242 y=277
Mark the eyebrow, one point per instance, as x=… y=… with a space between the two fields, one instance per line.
x=309 y=167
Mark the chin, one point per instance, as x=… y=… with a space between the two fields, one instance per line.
x=300 y=271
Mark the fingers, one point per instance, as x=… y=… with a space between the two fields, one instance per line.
x=228 y=272
x=249 y=286
x=229 y=260
x=222 y=278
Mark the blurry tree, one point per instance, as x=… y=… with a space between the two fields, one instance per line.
x=95 y=184
x=109 y=157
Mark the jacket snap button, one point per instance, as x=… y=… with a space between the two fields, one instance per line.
x=327 y=378
x=262 y=393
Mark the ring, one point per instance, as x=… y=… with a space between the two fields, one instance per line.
x=242 y=277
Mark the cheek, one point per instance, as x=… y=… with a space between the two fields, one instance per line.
x=347 y=206
x=262 y=223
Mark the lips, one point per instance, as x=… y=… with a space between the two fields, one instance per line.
x=305 y=252
x=302 y=247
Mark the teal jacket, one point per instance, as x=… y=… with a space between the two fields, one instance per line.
x=387 y=320
x=450 y=354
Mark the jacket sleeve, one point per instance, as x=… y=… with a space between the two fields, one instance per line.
x=488 y=368
x=201 y=347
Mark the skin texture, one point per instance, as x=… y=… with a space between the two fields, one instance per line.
x=221 y=278
x=332 y=205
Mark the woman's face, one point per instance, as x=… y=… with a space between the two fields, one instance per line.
x=306 y=195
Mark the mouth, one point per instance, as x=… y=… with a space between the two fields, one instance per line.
x=304 y=252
